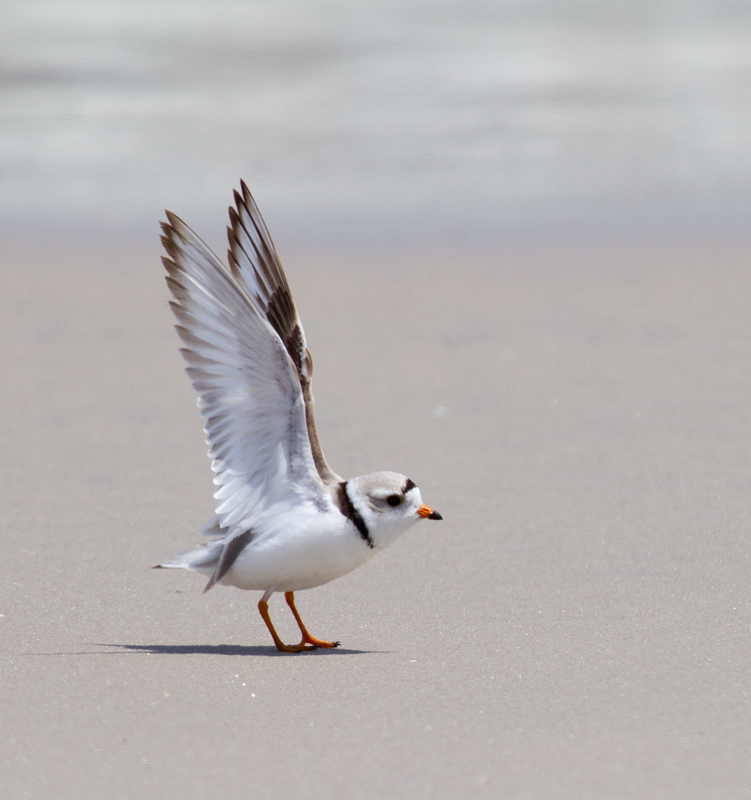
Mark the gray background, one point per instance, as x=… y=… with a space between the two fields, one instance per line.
x=367 y=118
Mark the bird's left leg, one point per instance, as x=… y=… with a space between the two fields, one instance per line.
x=306 y=637
x=263 y=607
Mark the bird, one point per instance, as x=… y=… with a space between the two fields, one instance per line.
x=284 y=520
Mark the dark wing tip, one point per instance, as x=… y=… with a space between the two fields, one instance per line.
x=174 y=220
x=169 y=264
x=233 y=218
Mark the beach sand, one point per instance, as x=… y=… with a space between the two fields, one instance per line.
x=576 y=627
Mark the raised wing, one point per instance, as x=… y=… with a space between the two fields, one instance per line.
x=249 y=392
x=255 y=264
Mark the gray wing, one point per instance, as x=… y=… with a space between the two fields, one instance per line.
x=249 y=392
x=256 y=266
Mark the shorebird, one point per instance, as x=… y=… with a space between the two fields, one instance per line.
x=284 y=520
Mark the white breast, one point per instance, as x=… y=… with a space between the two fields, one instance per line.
x=299 y=551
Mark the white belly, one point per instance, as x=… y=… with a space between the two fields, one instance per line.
x=300 y=556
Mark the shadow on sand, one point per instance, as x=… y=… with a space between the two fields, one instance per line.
x=221 y=650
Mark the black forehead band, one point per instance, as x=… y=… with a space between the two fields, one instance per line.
x=409 y=485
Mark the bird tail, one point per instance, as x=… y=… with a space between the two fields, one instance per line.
x=203 y=559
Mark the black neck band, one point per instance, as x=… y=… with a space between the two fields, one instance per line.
x=352 y=514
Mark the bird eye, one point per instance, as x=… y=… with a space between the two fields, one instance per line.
x=394 y=499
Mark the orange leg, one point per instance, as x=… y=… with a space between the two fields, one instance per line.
x=263 y=607
x=306 y=637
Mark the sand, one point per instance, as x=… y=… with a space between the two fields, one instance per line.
x=577 y=627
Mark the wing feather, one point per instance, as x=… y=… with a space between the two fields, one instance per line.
x=249 y=391
x=255 y=265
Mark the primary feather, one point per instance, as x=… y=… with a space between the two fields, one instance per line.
x=256 y=266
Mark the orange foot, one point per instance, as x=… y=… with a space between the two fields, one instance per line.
x=306 y=637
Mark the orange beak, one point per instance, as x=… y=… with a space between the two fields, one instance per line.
x=428 y=513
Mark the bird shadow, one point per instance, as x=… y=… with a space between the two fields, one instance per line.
x=221 y=650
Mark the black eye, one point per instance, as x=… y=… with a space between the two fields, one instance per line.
x=394 y=499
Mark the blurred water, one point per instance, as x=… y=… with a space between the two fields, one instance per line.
x=367 y=117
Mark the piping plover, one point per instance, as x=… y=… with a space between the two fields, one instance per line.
x=284 y=520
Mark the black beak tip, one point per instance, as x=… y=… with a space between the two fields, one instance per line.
x=435 y=515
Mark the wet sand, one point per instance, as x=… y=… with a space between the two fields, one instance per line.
x=577 y=627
